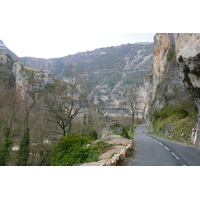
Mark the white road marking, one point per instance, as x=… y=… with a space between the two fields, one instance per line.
x=166 y=148
x=175 y=156
x=161 y=144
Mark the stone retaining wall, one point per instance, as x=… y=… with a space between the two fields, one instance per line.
x=121 y=150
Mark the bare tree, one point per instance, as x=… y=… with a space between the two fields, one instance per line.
x=63 y=106
x=9 y=107
x=132 y=100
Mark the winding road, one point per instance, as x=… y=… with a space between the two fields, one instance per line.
x=154 y=151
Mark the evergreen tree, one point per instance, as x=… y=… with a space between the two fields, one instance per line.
x=24 y=150
x=5 y=150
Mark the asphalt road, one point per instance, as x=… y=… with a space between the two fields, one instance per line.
x=154 y=151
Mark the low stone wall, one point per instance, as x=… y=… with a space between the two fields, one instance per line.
x=120 y=148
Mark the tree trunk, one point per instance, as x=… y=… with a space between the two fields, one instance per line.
x=132 y=125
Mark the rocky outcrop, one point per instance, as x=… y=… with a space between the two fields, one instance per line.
x=166 y=79
x=3 y=58
x=176 y=67
x=29 y=80
x=188 y=59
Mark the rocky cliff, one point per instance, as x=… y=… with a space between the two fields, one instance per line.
x=175 y=77
x=166 y=80
x=29 y=80
x=26 y=80
x=3 y=58
x=7 y=78
x=188 y=59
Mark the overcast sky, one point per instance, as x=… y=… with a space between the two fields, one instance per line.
x=42 y=28
x=55 y=28
x=58 y=46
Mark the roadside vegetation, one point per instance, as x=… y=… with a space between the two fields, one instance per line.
x=76 y=149
x=176 y=122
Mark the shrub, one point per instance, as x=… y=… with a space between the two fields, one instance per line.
x=176 y=121
x=93 y=134
x=170 y=55
x=72 y=150
x=177 y=110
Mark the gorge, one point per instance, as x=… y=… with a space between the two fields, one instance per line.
x=166 y=74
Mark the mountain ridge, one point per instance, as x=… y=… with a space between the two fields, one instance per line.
x=6 y=50
x=107 y=71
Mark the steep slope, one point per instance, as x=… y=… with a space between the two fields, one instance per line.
x=25 y=80
x=7 y=78
x=105 y=72
x=4 y=49
x=172 y=111
x=29 y=81
x=188 y=59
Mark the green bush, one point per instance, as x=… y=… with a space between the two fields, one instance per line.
x=72 y=150
x=93 y=134
x=76 y=149
x=177 y=110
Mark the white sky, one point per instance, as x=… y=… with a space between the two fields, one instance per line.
x=55 y=28
x=50 y=45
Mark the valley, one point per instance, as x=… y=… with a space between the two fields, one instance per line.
x=103 y=73
x=83 y=109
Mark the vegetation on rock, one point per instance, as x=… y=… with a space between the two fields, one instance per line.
x=176 y=121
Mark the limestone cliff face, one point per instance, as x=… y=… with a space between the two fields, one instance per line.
x=29 y=80
x=171 y=52
x=188 y=59
x=166 y=79
x=161 y=45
